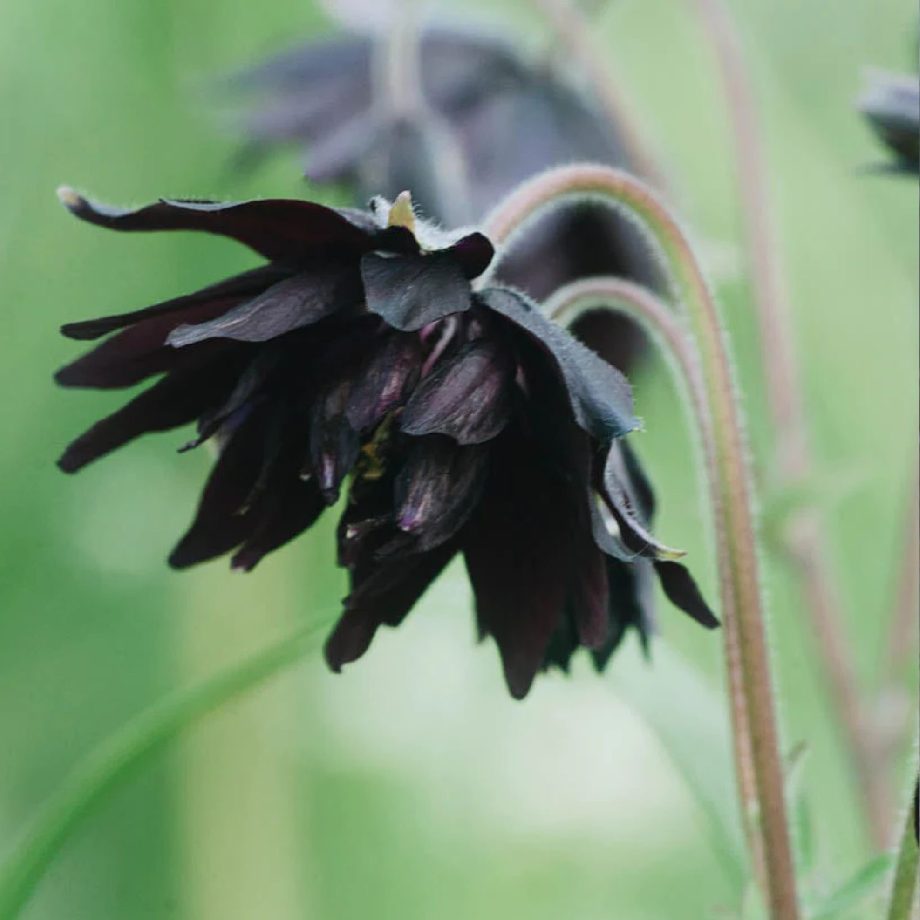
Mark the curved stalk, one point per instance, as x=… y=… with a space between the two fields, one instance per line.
x=660 y=321
x=742 y=599
x=806 y=538
x=904 y=882
x=122 y=753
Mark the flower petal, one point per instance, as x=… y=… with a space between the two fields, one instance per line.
x=176 y=400
x=467 y=396
x=682 y=591
x=220 y=523
x=474 y=252
x=629 y=501
x=334 y=444
x=390 y=372
x=410 y=291
x=280 y=229
x=588 y=590
x=631 y=605
x=600 y=396
x=223 y=294
x=515 y=546
x=437 y=489
x=283 y=510
x=385 y=597
x=139 y=351
x=300 y=300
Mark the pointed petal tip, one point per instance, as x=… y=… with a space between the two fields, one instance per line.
x=63 y=378
x=682 y=591
x=70 y=197
x=175 y=561
x=517 y=687
x=66 y=463
x=82 y=331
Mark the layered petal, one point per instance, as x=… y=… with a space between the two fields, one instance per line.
x=282 y=230
x=599 y=395
x=467 y=396
x=283 y=508
x=388 y=375
x=220 y=523
x=384 y=597
x=411 y=291
x=129 y=357
x=682 y=591
x=516 y=552
x=179 y=398
x=631 y=606
x=334 y=444
x=297 y=301
x=211 y=300
x=621 y=493
x=437 y=489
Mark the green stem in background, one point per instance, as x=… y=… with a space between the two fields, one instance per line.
x=741 y=598
x=121 y=754
x=666 y=328
x=904 y=882
x=570 y=26
x=805 y=536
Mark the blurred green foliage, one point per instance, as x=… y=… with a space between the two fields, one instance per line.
x=411 y=787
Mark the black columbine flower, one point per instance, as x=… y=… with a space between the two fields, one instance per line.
x=490 y=118
x=891 y=106
x=461 y=420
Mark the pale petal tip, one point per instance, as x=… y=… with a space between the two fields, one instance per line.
x=68 y=197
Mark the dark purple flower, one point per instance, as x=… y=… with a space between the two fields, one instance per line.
x=891 y=106
x=458 y=417
x=490 y=119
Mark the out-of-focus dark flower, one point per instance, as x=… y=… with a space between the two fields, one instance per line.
x=460 y=418
x=489 y=120
x=891 y=105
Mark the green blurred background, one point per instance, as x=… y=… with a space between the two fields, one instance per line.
x=412 y=786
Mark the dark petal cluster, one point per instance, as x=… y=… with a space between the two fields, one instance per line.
x=460 y=153
x=891 y=106
x=360 y=360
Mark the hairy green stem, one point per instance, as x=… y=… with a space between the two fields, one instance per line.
x=661 y=322
x=742 y=601
x=805 y=537
x=904 y=882
x=121 y=754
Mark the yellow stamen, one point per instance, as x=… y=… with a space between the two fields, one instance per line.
x=401 y=213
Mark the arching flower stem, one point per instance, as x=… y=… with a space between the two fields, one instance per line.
x=741 y=598
x=806 y=540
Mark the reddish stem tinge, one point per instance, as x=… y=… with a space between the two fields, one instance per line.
x=806 y=540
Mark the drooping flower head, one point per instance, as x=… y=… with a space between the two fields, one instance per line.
x=458 y=419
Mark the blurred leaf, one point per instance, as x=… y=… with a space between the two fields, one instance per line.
x=121 y=754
